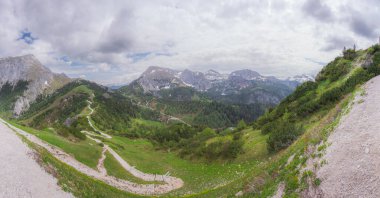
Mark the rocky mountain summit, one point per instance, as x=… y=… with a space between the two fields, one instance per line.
x=28 y=69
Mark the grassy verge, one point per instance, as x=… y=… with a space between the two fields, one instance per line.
x=80 y=185
x=114 y=168
x=198 y=177
x=87 y=152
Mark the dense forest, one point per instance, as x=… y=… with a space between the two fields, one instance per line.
x=194 y=107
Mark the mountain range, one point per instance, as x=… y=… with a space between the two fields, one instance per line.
x=241 y=86
x=167 y=91
x=157 y=78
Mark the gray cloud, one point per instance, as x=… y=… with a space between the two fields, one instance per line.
x=117 y=38
x=337 y=43
x=361 y=27
x=318 y=10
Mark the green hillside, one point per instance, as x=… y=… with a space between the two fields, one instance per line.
x=194 y=107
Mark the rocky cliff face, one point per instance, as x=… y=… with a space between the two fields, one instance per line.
x=27 y=68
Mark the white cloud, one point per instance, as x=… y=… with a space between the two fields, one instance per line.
x=114 y=41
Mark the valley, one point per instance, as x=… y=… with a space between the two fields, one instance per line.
x=179 y=141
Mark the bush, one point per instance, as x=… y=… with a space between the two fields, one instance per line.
x=349 y=54
x=282 y=135
x=222 y=149
x=233 y=149
x=334 y=70
x=241 y=125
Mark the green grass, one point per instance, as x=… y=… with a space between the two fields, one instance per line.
x=87 y=152
x=114 y=168
x=255 y=145
x=146 y=122
x=197 y=176
x=83 y=89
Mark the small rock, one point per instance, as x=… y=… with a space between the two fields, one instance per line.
x=239 y=194
x=367 y=150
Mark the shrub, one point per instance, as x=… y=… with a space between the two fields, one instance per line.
x=233 y=149
x=241 y=125
x=349 y=54
x=282 y=135
x=334 y=70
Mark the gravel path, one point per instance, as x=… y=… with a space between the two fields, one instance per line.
x=20 y=174
x=353 y=168
x=171 y=182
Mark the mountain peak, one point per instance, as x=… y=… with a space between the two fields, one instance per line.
x=151 y=70
x=246 y=74
x=29 y=69
x=211 y=71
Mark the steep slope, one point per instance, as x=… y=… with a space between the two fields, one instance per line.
x=352 y=158
x=35 y=79
x=298 y=127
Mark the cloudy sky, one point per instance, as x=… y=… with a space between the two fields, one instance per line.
x=113 y=41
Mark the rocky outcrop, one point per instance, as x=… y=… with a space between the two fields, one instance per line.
x=367 y=62
x=27 y=68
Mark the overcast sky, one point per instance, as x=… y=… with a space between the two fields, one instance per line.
x=114 y=41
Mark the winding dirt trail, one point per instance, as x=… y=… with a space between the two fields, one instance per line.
x=170 y=183
x=173 y=181
x=90 y=123
x=353 y=158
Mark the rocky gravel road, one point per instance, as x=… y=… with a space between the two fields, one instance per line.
x=20 y=174
x=353 y=159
